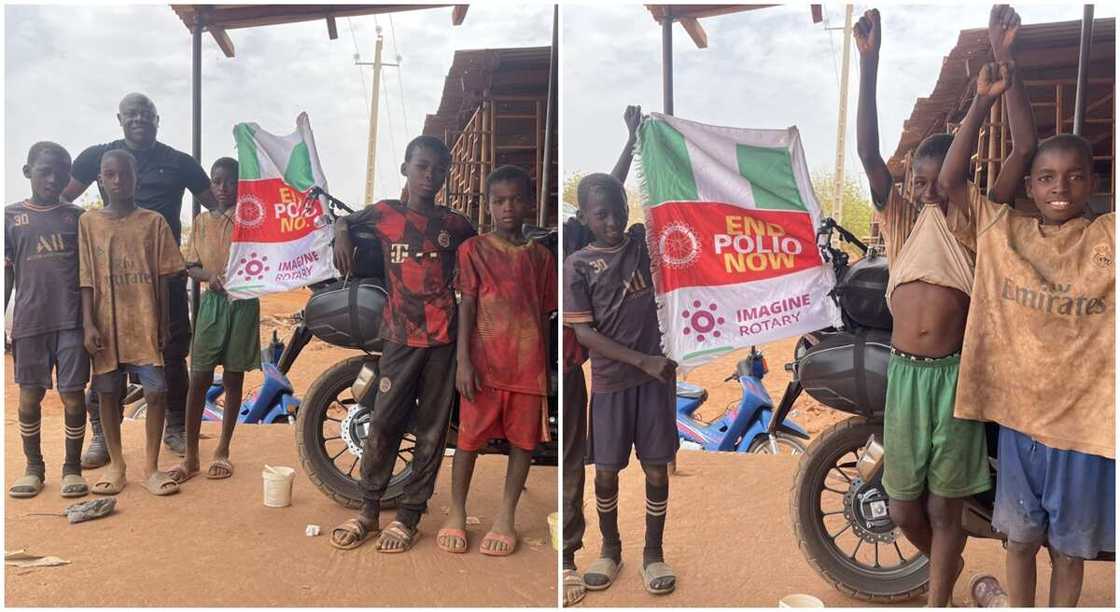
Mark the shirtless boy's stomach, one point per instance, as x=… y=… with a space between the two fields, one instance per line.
x=928 y=319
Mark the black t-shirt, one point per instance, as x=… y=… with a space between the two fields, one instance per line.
x=162 y=173
x=41 y=245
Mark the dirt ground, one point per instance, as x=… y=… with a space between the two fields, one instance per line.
x=729 y=535
x=216 y=544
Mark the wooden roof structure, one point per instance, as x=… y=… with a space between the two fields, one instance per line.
x=218 y=18
x=689 y=14
x=1045 y=52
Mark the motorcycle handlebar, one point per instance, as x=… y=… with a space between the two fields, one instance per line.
x=829 y=224
x=332 y=201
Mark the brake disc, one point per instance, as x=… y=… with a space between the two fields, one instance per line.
x=866 y=509
x=357 y=417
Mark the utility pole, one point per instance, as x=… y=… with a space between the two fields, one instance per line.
x=842 y=123
x=371 y=154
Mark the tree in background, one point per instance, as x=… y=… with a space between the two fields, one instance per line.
x=857 y=212
x=633 y=199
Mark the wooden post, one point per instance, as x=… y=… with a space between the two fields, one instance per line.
x=1083 y=70
x=196 y=131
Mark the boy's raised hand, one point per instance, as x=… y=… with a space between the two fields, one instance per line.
x=633 y=118
x=91 y=338
x=660 y=368
x=994 y=79
x=1003 y=26
x=466 y=379
x=868 y=33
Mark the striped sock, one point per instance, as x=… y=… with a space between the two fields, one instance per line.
x=606 y=502
x=75 y=435
x=29 y=428
x=657 y=505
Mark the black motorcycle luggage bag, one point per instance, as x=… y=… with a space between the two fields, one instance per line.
x=862 y=293
x=347 y=314
x=848 y=371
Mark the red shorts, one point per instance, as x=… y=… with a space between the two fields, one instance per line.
x=497 y=413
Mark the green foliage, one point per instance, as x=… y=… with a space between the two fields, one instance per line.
x=857 y=212
x=633 y=198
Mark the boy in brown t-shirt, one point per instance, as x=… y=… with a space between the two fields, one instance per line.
x=127 y=255
x=1042 y=302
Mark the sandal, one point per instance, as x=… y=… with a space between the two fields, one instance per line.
x=986 y=592
x=574 y=588
x=160 y=484
x=220 y=464
x=108 y=485
x=73 y=485
x=180 y=474
x=397 y=530
x=447 y=535
x=352 y=527
x=491 y=537
x=652 y=572
x=27 y=485
x=605 y=568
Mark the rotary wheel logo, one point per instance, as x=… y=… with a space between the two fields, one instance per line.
x=253 y=267
x=250 y=211
x=702 y=321
x=678 y=245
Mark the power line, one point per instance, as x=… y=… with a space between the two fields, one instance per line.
x=389 y=120
x=400 y=78
x=358 y=56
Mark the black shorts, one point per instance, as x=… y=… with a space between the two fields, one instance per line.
x=642 y=417
x=61 y=351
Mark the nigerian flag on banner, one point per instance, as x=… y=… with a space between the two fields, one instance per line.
x=282 y=237
x=731 y=223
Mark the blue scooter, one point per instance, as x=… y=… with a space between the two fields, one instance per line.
x=273 y=402
x=743 y=427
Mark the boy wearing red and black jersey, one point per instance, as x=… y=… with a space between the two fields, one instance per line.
x=418 y=241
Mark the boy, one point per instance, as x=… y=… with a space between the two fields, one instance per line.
x=40 y=256
x=508 y=288
x=418 y=241
x=226 y=333
x=1042 y=304
x=609 y=302
x=577 y=236
x=127 y=256
x=934 y=460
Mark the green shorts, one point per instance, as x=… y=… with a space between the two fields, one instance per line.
x=227 y=334
x=926 y=448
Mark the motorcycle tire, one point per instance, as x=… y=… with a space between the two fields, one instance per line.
x=908 y=581
x=761 y=444
x=317 y=464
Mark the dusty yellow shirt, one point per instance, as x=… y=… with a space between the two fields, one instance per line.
x=1038 y=352
x=211 y=237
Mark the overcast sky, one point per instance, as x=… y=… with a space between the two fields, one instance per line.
x=769 y=68
x=67 y=67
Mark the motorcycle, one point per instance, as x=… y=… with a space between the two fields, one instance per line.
x=838 y=505
x=744 y=425
x=333 y=418
x=273 y=402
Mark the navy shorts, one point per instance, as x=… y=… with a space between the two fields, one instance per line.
x=642 y=417
x=62 y=351
x=1064 y=497
x=151 y=378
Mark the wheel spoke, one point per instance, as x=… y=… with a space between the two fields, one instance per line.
x=836 y=491
x=344 y=449
x=877 y=554
x=901 y=557
x=837 y=468
x=833 y=536
x=350 y=472
x=859 y=542
x=330 y=419
x=831 y=513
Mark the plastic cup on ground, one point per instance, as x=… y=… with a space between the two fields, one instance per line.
x=799 y=600
x=554 y=529
x=278 y=485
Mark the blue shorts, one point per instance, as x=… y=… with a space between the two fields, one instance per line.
x=151 y=378
x=61 y=351
x=1064 y=497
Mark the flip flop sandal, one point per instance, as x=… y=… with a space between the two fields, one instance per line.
x=109 y=487
x=89 y=510
x=604 y=567
x=353 y=527
x=444 y=534
x=986 y=592
x=509 y=541
x=222 y=464
x=574 y=588
x=656 y=570
x=73 y=485
x=160 y=484
x=397 y=530
x=27 y=485
x=179 y=474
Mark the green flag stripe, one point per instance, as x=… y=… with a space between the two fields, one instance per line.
x=249 y=168
x=298 y=172
x=666 y=168
x=770 y=172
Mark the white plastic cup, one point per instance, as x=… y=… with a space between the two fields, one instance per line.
x=278 y=485
x=554 y=529
x=799 y=600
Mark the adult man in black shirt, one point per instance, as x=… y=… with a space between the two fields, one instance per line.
x=162 y=175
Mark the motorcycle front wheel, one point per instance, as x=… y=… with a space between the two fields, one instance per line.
x=784 y=444
x=331 y=429
x=842 y=524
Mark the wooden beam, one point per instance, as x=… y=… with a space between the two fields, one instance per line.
x=459 y=13
x=332 y=28
x=695 y=31
x=223 y=40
